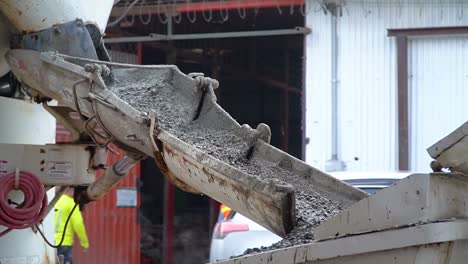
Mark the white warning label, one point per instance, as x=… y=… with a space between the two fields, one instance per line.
x=3 y=167
x=21 y=260
x=59 y=170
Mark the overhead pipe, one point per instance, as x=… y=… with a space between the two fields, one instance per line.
x=334 y=164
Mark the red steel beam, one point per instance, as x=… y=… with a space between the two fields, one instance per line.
x=403 y=107
x=204 y=6
x=168 y=225
x=429 y=31
x=140 y=53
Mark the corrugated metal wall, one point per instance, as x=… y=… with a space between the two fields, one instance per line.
x=367 y=81
x=439 y=91
x=113 y=232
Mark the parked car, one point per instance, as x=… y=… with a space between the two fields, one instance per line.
x=236 y=233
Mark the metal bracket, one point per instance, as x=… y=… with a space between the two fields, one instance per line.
x=88 y=125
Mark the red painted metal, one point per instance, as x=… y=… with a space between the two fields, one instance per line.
x=140 y=53
x=114 y=233
x=168 y=233
x=403 y=108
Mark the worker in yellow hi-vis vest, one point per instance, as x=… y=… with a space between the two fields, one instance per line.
x=75 y=224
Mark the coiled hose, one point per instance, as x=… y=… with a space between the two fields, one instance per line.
x=31 y=211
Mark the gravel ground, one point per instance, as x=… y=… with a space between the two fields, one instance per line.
x=145 y=91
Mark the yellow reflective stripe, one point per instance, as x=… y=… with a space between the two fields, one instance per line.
x=57 y=223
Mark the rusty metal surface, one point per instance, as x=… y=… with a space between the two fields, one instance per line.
x=271 y=205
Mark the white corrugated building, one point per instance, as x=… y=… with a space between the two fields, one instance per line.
x=367 y=81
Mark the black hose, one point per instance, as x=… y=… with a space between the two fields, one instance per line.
x=64 y=230
x=6 y=89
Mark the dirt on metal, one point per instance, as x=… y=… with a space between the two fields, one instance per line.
x=146 y=91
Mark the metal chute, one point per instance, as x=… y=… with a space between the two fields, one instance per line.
x=450 y=152
x=86 y=87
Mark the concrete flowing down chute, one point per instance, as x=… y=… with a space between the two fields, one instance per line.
x=160 y=112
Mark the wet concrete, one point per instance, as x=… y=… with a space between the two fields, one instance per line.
x=313 y=206
x=147 y=90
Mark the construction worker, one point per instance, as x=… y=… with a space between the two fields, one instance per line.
x=63 y=209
